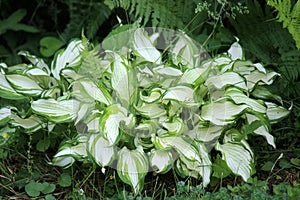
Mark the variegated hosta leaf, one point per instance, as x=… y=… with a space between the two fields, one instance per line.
x=123 y=82
x=239 y=97
x=275 y=113
x=67 y=58
x=262 y=130
x=174 y=127
x=86 y=90
x=195 y=76
x=181 y=94
x=195 y=157
x=6 y=91
x=101 y=150
x=260 y=78
x=56 y=111
x=24 y=84
x=167 y=71
x=226 y=79
x=71 y=151
x=161 y=160
x=36 y=61
x=236 y=51
x=154 y=95
x=145 y=48
x=151 y=110
x=110 y=122
x=238 y=159
x=132 y=167
x=5 y=115
x=221 y=113
x=31 y=124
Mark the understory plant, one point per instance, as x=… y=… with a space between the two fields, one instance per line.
x=140 y=109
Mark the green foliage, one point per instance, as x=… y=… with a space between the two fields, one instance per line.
x=163 y=13
x=84 y=15
x=289 y=15
x=169 y=115
x=34 y=189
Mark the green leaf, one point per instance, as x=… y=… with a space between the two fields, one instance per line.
x=145 y=48
x=220 y=168
x=24 y=84
x=70 y=57
x=132 y=167
x=43 y=144
x=49 y=197
x=56 y=111
x=33 y=189
x=49 y=45
x=48 y=188
x=65 y=180
x=100 y=149
x=237 y=158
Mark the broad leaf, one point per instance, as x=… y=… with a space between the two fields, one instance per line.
x=132 y=167
x=238 y=159
x=145 y=48
x=5 y=115
x=6 y=91
x=180 y=93
x=56 y=111
x=226 y=79
x=236 y=51
x=101 y=151
x=221 y=113
x=275 y=113
x=161 y=160
x=32 y=123
x=24 y=84
x=70 y=57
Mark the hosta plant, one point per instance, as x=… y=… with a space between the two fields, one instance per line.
x=140 y=109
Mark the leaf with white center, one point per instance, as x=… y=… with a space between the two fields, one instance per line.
x=132 y=167
x=226 y=79
x=6 y=91
x=100 y=150
x=262 y=130
x=239 y=97
x=208 y=134
x=235 y=51
x=194 y=156
x=110 y=122
x=161 y=160
x=154 y=95
x=5 y=115
x=86 y=89
x=260 y=78
x=36 y=72
x=167 y=71
x=221 y=113
x=71 y=151
x=260 y=67
x=56 y=111
x=276 y=113
x=24 y=84
x=32 y=123
x=151 y=110
x=145 y=48
x=180 y=93
x=174 y=127
x=238 y=159
x=69 y=57
x=40 y=63
x=122 y=82
x=194 y=76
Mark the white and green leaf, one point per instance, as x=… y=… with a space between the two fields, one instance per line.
x=24 y=85
x=161 y=160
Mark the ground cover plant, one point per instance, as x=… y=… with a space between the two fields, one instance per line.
x=130 y=118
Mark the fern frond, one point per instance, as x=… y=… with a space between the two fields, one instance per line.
x=290 y=17
x=163 y=13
